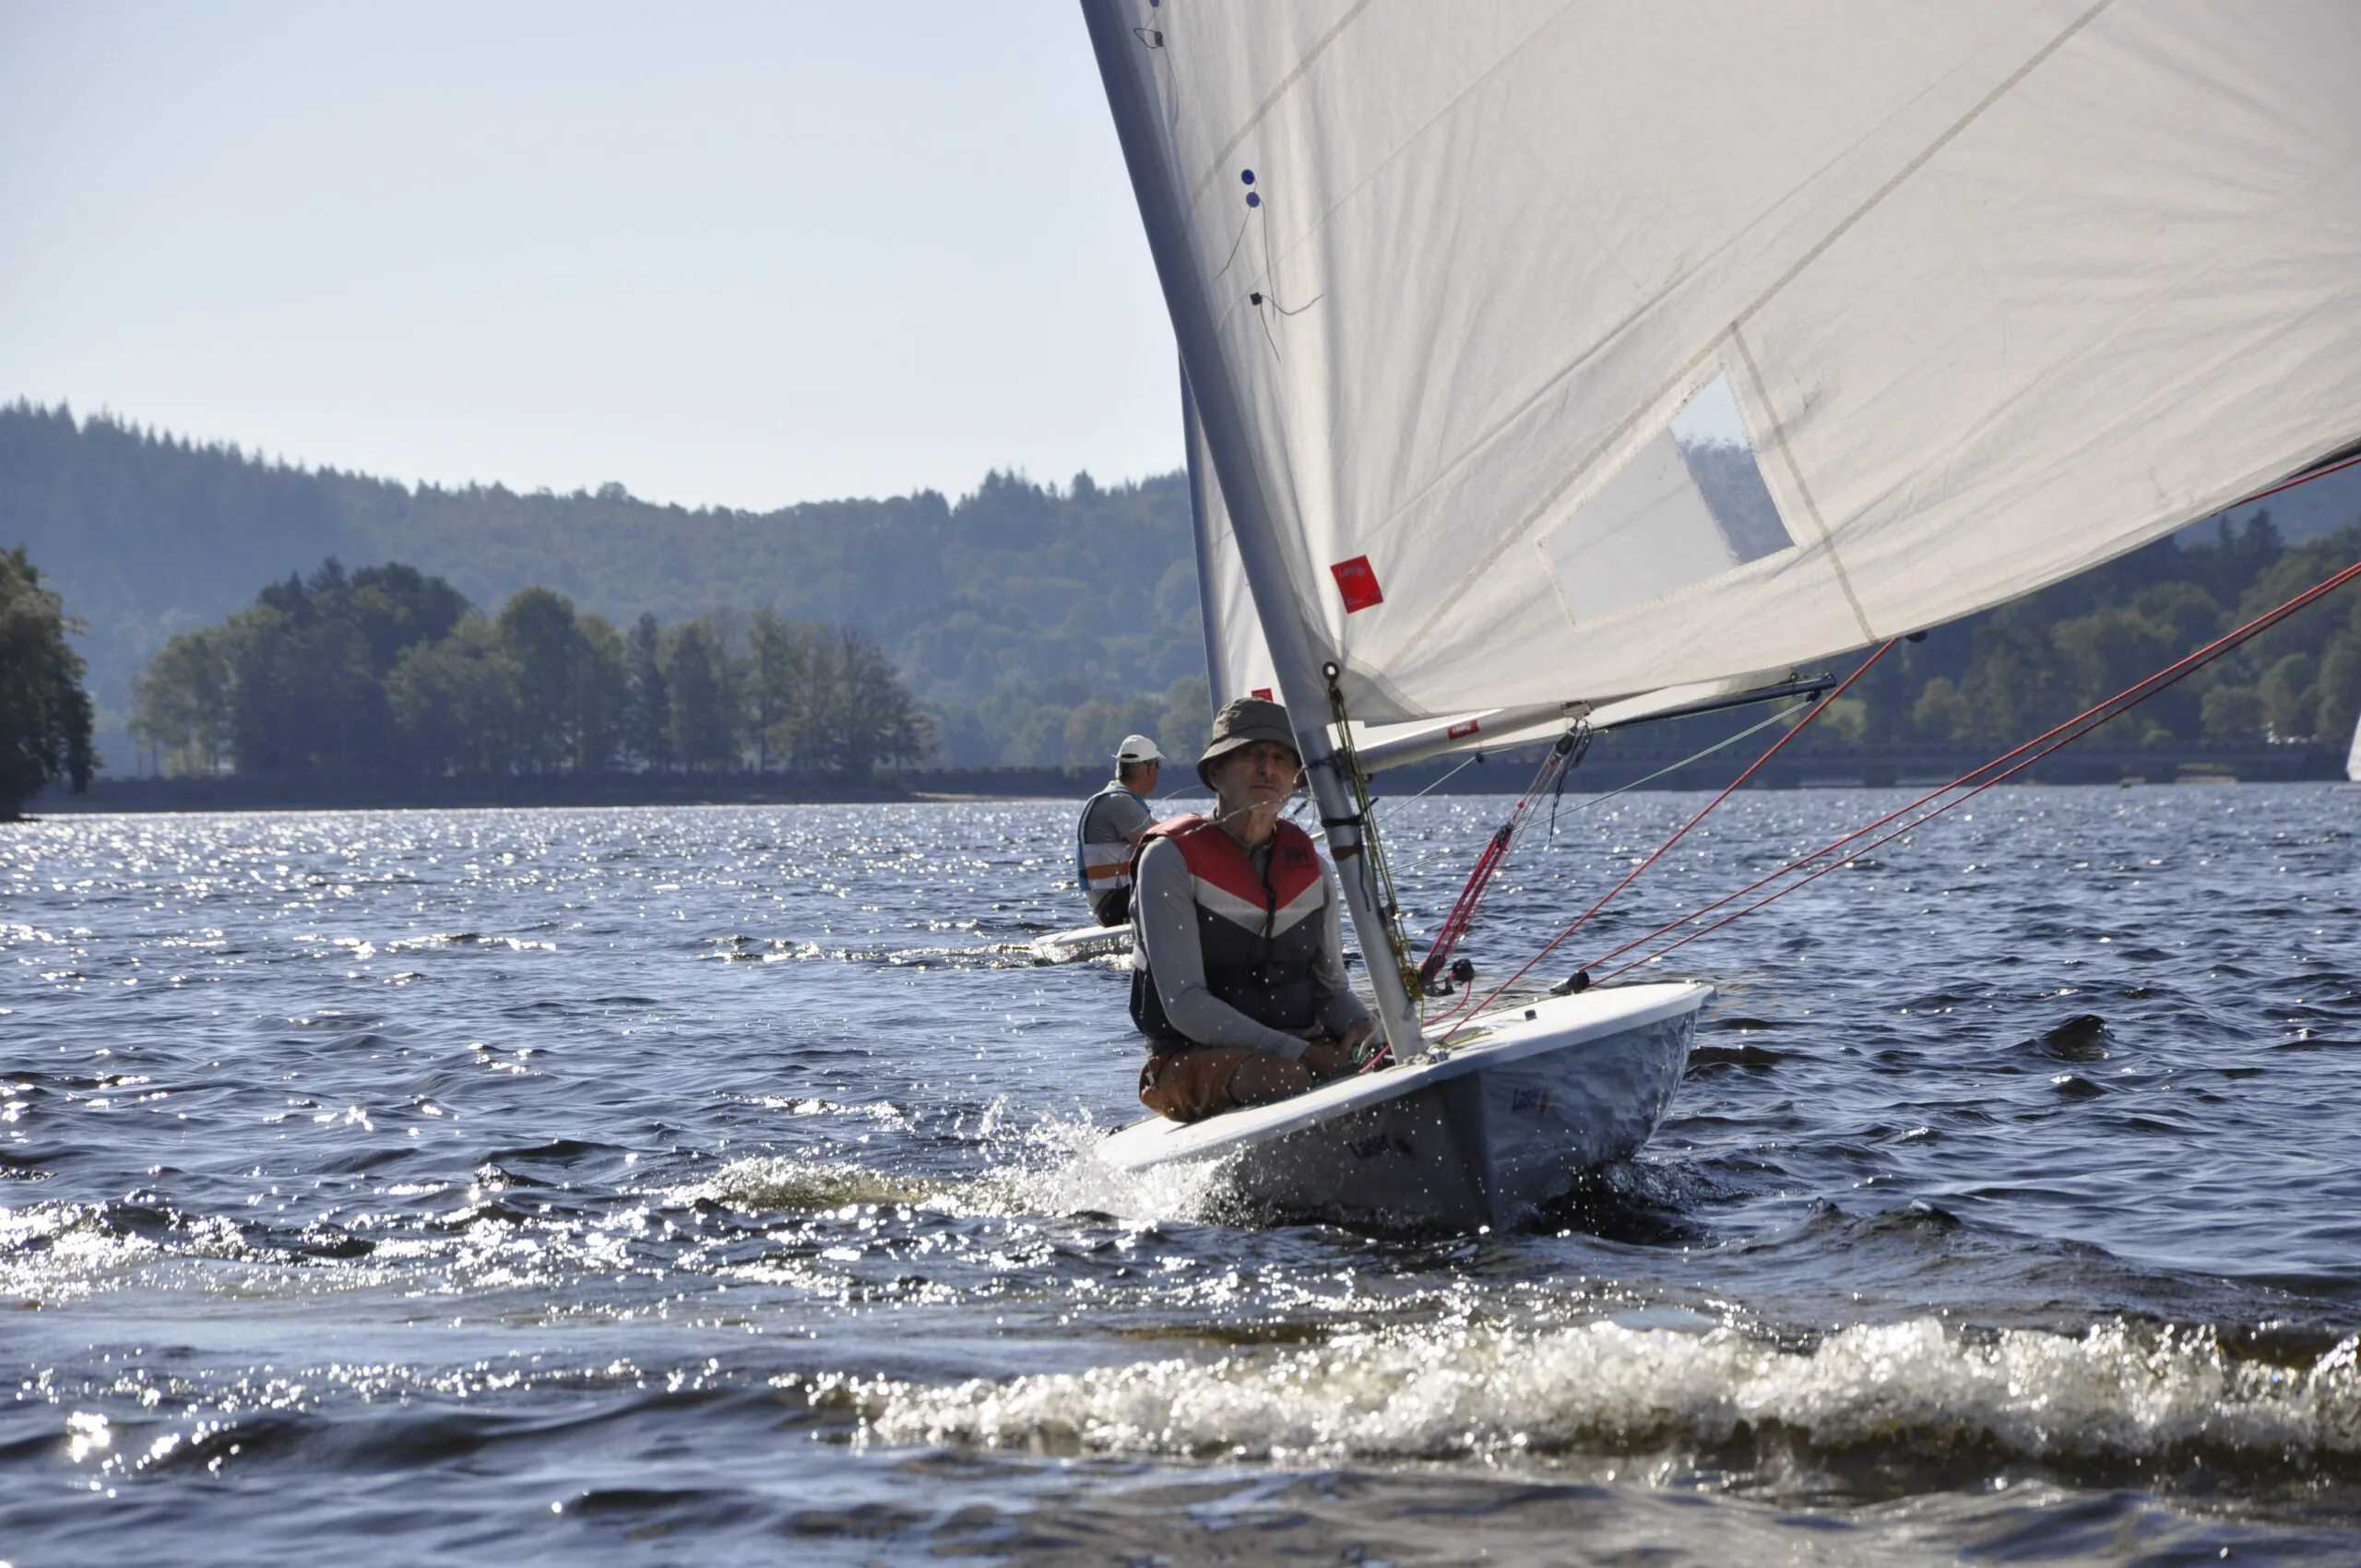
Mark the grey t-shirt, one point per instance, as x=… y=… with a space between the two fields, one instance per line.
x=1164 y=924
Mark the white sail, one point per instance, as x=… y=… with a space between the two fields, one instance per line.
x=2352 y=757
x=1583 y=350
x=1237 y=661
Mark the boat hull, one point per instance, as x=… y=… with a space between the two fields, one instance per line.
x=1483 y=1135
x=1080 y=942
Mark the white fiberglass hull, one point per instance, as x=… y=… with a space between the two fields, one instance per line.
x=1082 y=942
x=1480 y=1134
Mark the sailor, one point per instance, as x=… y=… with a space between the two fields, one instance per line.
x=1237 y=964
x=1110 y=829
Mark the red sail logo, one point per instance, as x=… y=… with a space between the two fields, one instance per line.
x=1357 y=580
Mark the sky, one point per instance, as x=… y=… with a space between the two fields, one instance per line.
x=732 y=254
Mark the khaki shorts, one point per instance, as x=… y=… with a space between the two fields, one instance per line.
x=1188 y=1083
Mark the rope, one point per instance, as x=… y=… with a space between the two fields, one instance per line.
x=1393 y=805
x=2042 y=745
x=1779 y=718
x=1563 y=755
x=1682 y=832
x=1364 y=818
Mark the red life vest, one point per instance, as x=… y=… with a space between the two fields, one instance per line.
x=1259 y=931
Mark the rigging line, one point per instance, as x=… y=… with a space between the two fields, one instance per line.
x=1473 y=758
x=1682 y=832
x=1779 y=718
x=1234 y=245
x=1565 y=754
x=2050 y=741
x=1270 y=289
x=2305 y=477
x=2123 y=700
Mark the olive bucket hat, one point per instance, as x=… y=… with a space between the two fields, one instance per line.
x=1244 y=721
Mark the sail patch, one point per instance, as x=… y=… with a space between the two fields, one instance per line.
x=1357 y=580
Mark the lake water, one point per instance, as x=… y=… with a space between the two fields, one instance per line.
x=710 y=1186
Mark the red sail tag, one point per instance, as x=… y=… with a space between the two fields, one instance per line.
x=1461 y=731
x=1357 y=582
x=1263 y=693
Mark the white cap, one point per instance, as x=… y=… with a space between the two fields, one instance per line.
x=1137 y=748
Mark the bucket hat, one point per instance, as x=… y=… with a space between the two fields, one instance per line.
x=1245 y=721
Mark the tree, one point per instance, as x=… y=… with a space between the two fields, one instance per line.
x=704 y=735
x=2115 y=648
x=863 y=715
x=1938 y=715
x=551 y=660
x=601 y=694
x=1093 y=729
x=2290 y=697
x=648 y=701
x=183 y=705
x=311 y=661
x=779 y=669
x=2340 y=683
x=1188 y=720
x=44 y=713
x=2014 y=687
x=2233 y=713
x=454 y=703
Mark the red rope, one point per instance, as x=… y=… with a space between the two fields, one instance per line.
x=1462 y=911
x=1454 y=927
x=2290 y=484
x=1682 y=832
x=2049 y=741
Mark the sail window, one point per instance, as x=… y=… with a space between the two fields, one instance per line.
x=1690 y=505
x=1720 y=456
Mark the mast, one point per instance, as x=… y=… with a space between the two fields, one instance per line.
x=1122 y=56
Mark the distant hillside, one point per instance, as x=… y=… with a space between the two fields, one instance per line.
x=1036 y=623
x=1004 y=610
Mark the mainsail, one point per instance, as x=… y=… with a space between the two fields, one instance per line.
x=1550 y=352
x=1582 y=350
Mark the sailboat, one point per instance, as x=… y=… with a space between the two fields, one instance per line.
x=1547 y=364
x=2352 y=757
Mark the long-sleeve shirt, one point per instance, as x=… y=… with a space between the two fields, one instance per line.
x=1164 y=917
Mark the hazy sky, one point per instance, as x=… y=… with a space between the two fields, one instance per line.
x=743 y=255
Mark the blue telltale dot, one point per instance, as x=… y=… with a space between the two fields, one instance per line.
x=1253 y=199
x=1246 y=176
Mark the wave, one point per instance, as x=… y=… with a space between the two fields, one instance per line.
x=2117 y=1396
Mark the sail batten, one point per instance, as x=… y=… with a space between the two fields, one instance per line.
x=1994 y=292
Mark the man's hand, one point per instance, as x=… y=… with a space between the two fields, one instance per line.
x=1327 y=1057
x=1354 y=1036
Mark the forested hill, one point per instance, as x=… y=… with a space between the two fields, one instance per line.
x=1039 y=624
x=1004 y=610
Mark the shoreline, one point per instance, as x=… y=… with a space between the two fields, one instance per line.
x=1503 y=773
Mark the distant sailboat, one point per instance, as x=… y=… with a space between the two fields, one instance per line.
x=2352 y=757
x=1544 y=357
